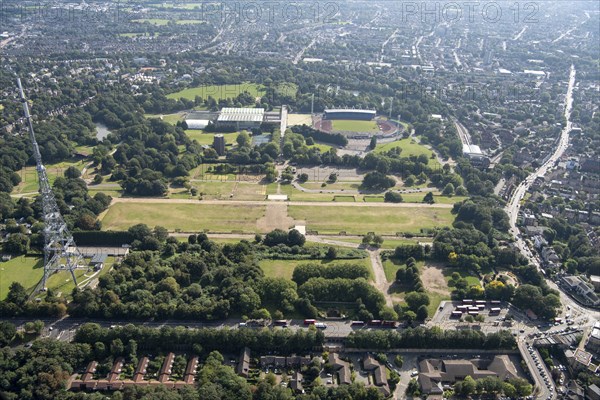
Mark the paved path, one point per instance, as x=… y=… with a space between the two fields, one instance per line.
x=380 y=280
x=163 y=200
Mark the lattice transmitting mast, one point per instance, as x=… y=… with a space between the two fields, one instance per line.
x=60 y=251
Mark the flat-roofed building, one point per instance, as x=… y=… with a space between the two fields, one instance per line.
x=240 y=118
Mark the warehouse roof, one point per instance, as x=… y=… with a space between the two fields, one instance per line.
x=472 y=149
x=230 y=114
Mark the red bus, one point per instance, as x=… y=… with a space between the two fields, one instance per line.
x=280 y=322
x=310 y=321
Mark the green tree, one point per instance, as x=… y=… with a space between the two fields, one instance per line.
x=416 y=299
x=468 y=386
x=399 y=361
x=373 y=143
x=72 y=173
x=393 y=197
x=331 y=253
x=243 y=139
x=422 y=313
x=448 y=190
x=303 y=177
x=17 y=243
x=7 y=332
x=429 y=199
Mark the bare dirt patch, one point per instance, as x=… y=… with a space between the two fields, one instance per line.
x=276 y=217
x=433 y=279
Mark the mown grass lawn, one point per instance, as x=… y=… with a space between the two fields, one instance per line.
x=381 y=220
x=185 y=217
x=285 y=268
x=207 y=138
x=219 y=92
x=409 y=148
x=29 y=178
x=153 y=21
x=168 y=118
x=27 y=270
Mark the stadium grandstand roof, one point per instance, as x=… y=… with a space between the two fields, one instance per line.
x=340 y=110
x=230 y=114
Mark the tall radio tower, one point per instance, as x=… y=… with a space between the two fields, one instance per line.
x=60 y=251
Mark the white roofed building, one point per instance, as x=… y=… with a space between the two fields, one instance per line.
x=240 y=118
x=196 y=123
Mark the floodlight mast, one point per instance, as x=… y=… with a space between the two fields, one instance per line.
x=60 y=251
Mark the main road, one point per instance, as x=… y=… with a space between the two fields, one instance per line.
x=514 y=204
x=512 y=208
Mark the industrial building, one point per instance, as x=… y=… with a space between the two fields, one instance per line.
x=475 y=155
x=231 y=119
x=348 y=113
x=240 y=118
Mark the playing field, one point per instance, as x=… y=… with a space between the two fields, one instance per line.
x=219 y=92
x=354 y=126
x=230 y=190
x=360 y=220
x=185 y=217
x=153 y=21
x=285 y=268
x=26 y=270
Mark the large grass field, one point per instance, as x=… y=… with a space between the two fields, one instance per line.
x=285 y=268
x=354 y=126
x=29 y=178
x=219 y=92
x=418 y=197
x=26 y=270
x=409 y=148
x=153 y=21
x=208 y=138
x=185 y=217
x=360 y=220
x=230 y=190
x=168 y=118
